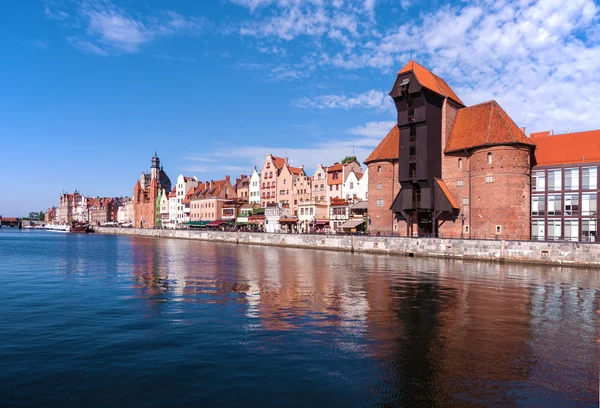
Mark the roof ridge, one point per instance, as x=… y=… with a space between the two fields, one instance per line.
x=507 y=127
x=487 y=136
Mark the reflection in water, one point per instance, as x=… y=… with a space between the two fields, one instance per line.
x=252 y=325
x=442 y=332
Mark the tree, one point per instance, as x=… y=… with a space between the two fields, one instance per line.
x=348 y=159
x=33 y=216
x=42 y=216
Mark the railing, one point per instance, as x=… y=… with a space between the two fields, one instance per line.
x=399 y=235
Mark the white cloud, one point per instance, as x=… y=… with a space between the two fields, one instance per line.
x=372 y=99
x=108 y=30
x=376 y=130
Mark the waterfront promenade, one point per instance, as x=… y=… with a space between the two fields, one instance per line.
x=535 y=252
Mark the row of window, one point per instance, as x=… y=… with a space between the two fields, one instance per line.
x=555 y=229
x=302 y=212
x=553 y=204
x=553 y=180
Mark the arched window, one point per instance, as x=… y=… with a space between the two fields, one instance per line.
x=489 y=157
x=378 y=169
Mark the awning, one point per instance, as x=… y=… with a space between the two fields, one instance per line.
x=196 y=223
x=360 y=205
x=351 y=224
x=241 y=224
x=322 y=222
x=284 y=220
x=217 y=223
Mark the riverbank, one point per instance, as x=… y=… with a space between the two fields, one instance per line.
x=550 y=253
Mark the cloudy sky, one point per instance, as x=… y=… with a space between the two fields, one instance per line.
x=91 y=88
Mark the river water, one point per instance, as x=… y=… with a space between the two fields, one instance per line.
x=113 y=320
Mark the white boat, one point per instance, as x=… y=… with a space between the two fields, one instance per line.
x=58 y=228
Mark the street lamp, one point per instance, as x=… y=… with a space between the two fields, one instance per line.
x=462 y=225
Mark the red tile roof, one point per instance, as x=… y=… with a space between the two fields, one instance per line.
x=335 y=167
x=447 y=193
x=568 y=148
x=429 y=80
x=296 y=170
x=482 y=125
x=388 y=148
x=279 y=162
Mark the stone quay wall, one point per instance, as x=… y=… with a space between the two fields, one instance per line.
x=551 y=253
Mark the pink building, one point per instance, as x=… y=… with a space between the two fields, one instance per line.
x=207 y=200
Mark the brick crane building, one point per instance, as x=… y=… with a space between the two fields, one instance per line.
x=462 y=171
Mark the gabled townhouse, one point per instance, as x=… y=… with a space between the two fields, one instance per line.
x=335 y=179
x=164 y=208
x=319 y=184
x=182 y=189
x=254 y=188
x=242 y=187
x=269 y=178
x=207 y=199
x=356 y=186
x=172 y=196
x=302 y=190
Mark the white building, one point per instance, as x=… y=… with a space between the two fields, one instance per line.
x=310 y=213
x=272 y=215
x=125 y=211
x=356 y=186
x=164 y=208
x=172 y=208
x=254 y=187
x=183 y=186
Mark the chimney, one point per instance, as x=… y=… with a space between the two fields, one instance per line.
x=523 y=129
x=210 y=185
x=227 y=179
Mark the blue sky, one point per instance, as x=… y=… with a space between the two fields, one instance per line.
x=91 y=88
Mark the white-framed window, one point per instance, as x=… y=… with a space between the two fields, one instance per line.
x=572 y=230
x=538 y=204
x=554 y=229
x=489 y=157
x=465 y=201
x=589 y=178
x=589 y=204
x=379 y=202
x=460 y=163
x=379 y=186
x=589 y=229
x=537 y=230
x=351 y=185
x=498 y=229
x=489 y=179
x=538 y=181
x=459 y=183
x=572 y=179
x=554 y=180
x=571 y=204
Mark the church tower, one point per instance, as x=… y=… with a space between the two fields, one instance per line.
x=155 y=167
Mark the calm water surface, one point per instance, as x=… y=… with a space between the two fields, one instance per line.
x=108 y=320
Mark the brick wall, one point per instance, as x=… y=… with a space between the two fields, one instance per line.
x=505 y=201
x=382 y=218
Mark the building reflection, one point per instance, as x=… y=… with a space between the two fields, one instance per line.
x=436 y=329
